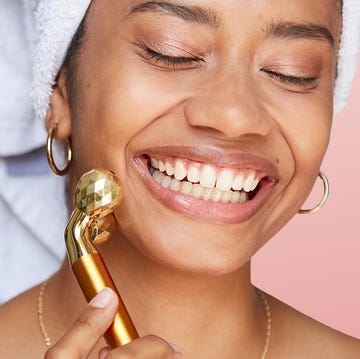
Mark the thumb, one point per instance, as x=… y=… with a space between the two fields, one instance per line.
x=89 y=327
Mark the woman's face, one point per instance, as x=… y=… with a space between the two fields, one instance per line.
x=234 y=96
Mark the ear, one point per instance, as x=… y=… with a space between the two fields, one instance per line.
x=59 y=109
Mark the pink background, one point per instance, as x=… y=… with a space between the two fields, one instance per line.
x=313 y=264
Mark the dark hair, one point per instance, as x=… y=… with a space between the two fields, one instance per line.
x=71 y=62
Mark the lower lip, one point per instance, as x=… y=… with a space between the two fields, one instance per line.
x=219 y=213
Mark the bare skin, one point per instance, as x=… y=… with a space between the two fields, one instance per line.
x=185 y=278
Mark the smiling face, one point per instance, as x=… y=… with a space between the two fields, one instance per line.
x=215 y=115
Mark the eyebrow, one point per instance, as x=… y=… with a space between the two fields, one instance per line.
x=207 y=17
x=194 y=14
x=292 y=30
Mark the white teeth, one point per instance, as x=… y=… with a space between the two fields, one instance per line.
x=238 y=183
x=226 y=196
x=225 y=180
x=243 y=197
x=193 y=174
x=162 y=166
x=175 y=185
x=208 y=176
x=186 y=187
x=254 y=185
x=206 y=193
x=158 y=176
x=235 y=196
x=169 y=169
x=196 y=190
x=248 y=183
x=200 y=181
x=216 y=195
x=154 y=163
x=166 y=182
x=180 y=171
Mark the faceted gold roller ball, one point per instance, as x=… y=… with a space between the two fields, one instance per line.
x=97 y=193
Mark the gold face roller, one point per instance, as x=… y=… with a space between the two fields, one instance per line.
x=92 y=221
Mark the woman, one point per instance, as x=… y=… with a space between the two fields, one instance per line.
x=192 y=105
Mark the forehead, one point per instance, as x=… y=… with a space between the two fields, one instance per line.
x=254 y=17
x=240 y=14
x=328 y=6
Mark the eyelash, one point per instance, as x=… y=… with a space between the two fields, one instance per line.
x=174 y=61
x=292 y=80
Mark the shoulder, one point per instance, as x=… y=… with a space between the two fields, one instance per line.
x=300 y=337
x=19 y=328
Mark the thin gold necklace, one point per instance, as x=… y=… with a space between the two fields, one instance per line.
x=40 y=310
x=268 y=322
x=262 y=296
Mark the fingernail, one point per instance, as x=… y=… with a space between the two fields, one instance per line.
x=103 y=353
x=103 y=299
x=175 y=347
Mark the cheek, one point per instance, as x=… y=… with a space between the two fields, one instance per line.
x=110 y=117
x=120 y=105
x=309 y=135
x=305 y=123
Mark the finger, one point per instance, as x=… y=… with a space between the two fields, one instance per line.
x=93 y=322
x=104 y=352
x=148 y=347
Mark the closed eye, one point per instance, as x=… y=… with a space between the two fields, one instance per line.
x=172 y=62
x=304 y=82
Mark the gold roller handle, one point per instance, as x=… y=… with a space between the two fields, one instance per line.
x=97 y=193
x=93 y=276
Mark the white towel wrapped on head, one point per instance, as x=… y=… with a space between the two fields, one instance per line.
x=55 y=24
x=51 y=24
x=19 y=131
x=348 y=53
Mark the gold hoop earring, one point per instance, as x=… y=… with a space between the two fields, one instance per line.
x=323 y=200
x=49 y=154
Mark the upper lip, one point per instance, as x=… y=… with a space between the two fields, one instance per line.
x=216 y=157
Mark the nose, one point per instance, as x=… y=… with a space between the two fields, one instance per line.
x=229 y=106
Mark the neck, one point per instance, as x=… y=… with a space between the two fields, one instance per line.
x=189 y=309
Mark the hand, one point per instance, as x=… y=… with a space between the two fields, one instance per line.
x=82 y=337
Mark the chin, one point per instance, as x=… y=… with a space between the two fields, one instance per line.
x=177 y=252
